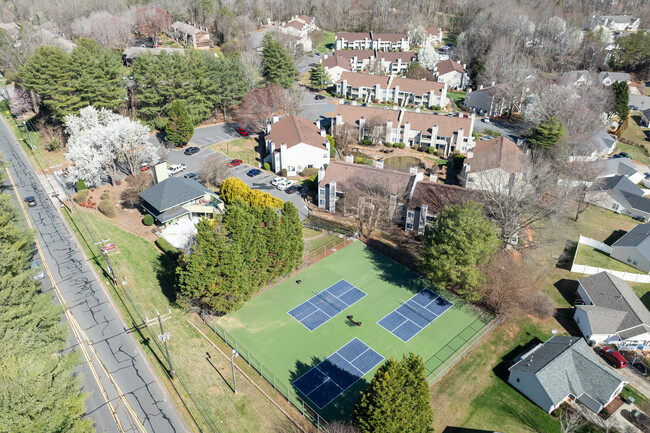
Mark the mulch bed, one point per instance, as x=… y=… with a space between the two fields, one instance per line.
x=612 y=407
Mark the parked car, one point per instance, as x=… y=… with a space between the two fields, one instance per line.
x=640 y=218
x=284 y=184
x=616 y=155
x=191 y=176
x=30 y=200
x=40 y=274
x=633 y=107
x=176 y=168
x=242 y=132
x=277 y=180
x=319 y=97
x=144 y=166
x=293 y=189
x=254 y=172
x=234 y=163
x=191 y=150
x=624 y=155
x=486 y=119
x=613 y=357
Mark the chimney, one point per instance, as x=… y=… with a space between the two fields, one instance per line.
x=379 y=163
x=268 y=128
x=413 y=169
x=464 y=66
x=276 y=119
x=321 y=174
x=433 y=177
x=480 y=87
x=322 y=132
x=362 y=122
x=349 y=158
x=493 y=83
x=160 y=172
x=318 y=124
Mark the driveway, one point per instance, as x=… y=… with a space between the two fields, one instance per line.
x=641 y=101
x=512 y=130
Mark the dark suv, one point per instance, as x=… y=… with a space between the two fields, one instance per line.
x=191 y=150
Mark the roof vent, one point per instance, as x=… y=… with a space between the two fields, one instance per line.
x=619 y=297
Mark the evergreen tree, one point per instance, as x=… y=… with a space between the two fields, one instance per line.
x=622 y=96
x=277 y=63
x=632 y=54
x=397 y=399
x=460 y=239
x=292 y=233
x=179 y=127
x=228 y=73
x=319 y=77
x=547 y=134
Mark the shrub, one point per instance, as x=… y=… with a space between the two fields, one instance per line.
x=106 y=195
x=53 y=145
x=81 y=185
x=401 y=145
x=431 y=150
x=168 y=249
x=147 y=220
x=365 y=142
x=107 y=208
x=309 y=172
x=440 y=152
x=81 y=196
x=283 y=172
x=267 y=166
x=540 y=305
x=458 y=161
x=388 y=144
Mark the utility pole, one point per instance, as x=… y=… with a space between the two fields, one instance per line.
x=163 y=336
x=235 y=354
x=28 y=136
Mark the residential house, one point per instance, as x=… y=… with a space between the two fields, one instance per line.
x=493 y=165
x=335 y=65
x=390 y=63
x=12 y=29
x=616 y=167
x=48 y=34
x=597 y=144
x=619 y=194
x=299 y=28
x=488 y=100
x=295 y=143
x=434 y=35
x=645 y=118
x=565 y=370
x=130 y=54
x=401 y=91
x=608 y=311
x=452 y=73
x=574 y=78
x=175 y=198
x=609 y=78
x=633 y=248
x=343 y=177
x=429 y=198
x=446 y=133
x=191 y=36
x=617 y=23
x=371 y=41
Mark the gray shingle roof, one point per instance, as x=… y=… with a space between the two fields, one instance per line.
x=608 y=292
x=614 y=166
x=634 y=237
x=626 y=192
x=173 y=192
x=566 y=365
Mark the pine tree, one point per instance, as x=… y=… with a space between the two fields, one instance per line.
x=228 y=74
x=622 y=96
x=319 y=77
x=547 y=134
x=179 y=127
x=292 y=231
x=277 y=63
x=397 y=399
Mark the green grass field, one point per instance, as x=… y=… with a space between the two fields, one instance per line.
x=286 y=348
x=590 y=256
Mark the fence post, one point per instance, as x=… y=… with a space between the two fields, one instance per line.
x=274 y=381
x=261 y=374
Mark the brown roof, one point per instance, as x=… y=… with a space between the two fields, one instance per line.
x=345 y=174
x=435 y=31
x=293 y=130
x=437 y=195
x=499 y=152
x=419 y=87
x=389 y=37
x=352 y=114
x=392 y=56
x=305 y=18
x=336 y=60
x=447 y=66
x=352 y=36
x=295 y=24
x=447 y=125
x=359 y=54
x=364 y=80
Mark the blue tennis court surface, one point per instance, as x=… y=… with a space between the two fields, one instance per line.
x=415 y=314
x=323 y=306
x=329 y=379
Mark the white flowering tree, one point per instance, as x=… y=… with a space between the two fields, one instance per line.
x=428 y=57
x=102 y=144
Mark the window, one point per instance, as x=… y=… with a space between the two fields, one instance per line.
x=632 y=260
x=518 y=380
x=615 y=206
x=325 y=156
x=409 y=226
x=411 y=214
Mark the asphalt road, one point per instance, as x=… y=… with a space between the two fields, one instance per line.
x=93 y=309
x=641 y=101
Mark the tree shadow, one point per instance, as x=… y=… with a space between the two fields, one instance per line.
x=510 y=358
x=339 y=409
x=389 y=262
x=566 y=258
x=166 y=276
x=614 y=236
x=260 y=149
x=568 y=289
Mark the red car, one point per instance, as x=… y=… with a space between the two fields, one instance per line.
x=234 y=163
x=613 y=357
x=242 y=132
x=144 y=166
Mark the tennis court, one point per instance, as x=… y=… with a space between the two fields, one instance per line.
x=321 y=307
x=337 y=372
x=285 y=348
x=407 y=320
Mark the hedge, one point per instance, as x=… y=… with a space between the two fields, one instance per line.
x=267 y=166
x=107 y=208
x=81 y=185
x=81 y=196
x=309 y=172
x=147 y=220
x=168 y=249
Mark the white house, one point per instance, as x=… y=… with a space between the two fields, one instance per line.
x=372 y=41
x=617 y=23
x=493 y=165
x=597 y=144
x=299 y=27
x=633 y=248
x=295 y=143
x=434 y=35
x=619 y=194
x=608 y=311
x=452 y=73
x=609 y=78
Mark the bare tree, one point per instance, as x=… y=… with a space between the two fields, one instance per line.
x=375 y=130
x=293 y=98
x=345 y=135
x=214 y=170
x=107 y=29
x=151 y=20
x=137 y=183
x=571 y=422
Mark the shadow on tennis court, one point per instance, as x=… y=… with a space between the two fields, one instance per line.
x=393 y=272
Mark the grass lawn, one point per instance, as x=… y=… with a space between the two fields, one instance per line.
x=449 y=38
x=637 y=134
x=150 y=285
x=590 y=256
x=458 y=97
x=328 y=42
x=315 y=240
x=245 y=149
x=287 y=349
